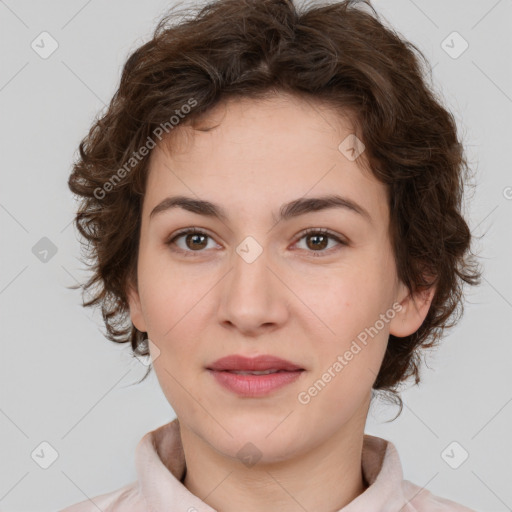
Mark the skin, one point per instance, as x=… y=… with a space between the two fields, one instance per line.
x=290 y=302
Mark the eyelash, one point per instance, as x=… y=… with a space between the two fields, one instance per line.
x=303 y=234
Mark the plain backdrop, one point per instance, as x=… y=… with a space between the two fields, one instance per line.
x=63 y=383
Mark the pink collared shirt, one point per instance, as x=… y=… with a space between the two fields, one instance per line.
x=160 y=465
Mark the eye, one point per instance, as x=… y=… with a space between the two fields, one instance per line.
x=195 y=240
x=320 y=240
x=193 y=237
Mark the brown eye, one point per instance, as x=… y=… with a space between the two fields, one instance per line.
x=195 y=240
x=191 y=240
x=317 y=241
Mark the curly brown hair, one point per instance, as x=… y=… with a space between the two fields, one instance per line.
x=340 y=54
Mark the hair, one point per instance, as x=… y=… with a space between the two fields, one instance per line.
x=339 y=54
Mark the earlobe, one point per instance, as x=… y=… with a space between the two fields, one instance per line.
x=414 y=309
x=134 y=303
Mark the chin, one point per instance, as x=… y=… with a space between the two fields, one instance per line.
x=259 y=448
x=270 y=434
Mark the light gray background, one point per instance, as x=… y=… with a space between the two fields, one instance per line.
x=62 y=382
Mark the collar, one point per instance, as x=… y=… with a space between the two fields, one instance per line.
x=160 y=466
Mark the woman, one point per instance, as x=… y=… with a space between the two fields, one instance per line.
x=274 y=203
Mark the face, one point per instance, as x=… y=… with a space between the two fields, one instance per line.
x=252 y=283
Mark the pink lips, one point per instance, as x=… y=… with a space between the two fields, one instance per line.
x=254 y=385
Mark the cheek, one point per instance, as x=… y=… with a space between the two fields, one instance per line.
x=169 y=294
x=356 y=308
x=348 y=367
x=178 y=363
x=347 y=301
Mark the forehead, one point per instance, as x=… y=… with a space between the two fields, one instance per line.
x=261 y=153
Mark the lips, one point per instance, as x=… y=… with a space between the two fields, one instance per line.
x=263 y=363
x=255 y=377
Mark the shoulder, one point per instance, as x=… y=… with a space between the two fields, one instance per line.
x=423 y=500
x=125 y=499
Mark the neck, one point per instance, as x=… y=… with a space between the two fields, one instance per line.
x=324 y=478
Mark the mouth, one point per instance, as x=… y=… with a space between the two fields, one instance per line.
x=255 y=384
x=254 y=377
x=256 y=365
x=262 y=372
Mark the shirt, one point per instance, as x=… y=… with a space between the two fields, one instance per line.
x=160 y=468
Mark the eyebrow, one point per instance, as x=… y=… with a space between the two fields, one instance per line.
x=287 y=211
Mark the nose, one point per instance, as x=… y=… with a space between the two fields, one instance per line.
x=253 y=296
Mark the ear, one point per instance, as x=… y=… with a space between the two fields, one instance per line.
x=134 y=303
x=414 y=309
